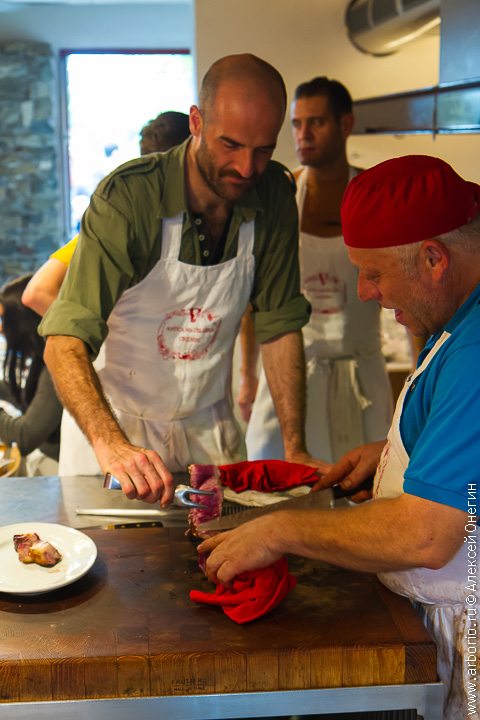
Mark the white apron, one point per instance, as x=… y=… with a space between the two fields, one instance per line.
x=348 y=390
x=439 y=595
x=165 y=365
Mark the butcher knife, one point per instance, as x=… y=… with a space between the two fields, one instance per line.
x=319 y=500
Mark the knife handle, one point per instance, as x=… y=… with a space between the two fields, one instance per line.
x=126 y=526
x=339 y=492
x=110 y=482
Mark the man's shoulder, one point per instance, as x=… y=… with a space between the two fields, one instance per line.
x=277 y=178
x=463 y=346
x=297 y=171
x=132 y=172
x=467 y=331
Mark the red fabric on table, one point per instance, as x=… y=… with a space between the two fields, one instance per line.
x=253 y=593
x=266 y=475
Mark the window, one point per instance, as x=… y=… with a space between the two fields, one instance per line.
x=110 y=96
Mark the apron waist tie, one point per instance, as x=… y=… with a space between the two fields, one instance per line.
x=345 y=401
x=345 y=374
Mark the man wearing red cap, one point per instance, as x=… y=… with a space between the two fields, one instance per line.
x=412 y=227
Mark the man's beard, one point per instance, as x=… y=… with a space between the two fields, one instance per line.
x=217 y=179
x=423 y=307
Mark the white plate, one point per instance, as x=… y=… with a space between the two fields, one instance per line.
x=78 y=555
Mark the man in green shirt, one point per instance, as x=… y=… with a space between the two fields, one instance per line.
x=172 y=249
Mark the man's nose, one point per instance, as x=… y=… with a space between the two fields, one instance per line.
x=367 y=290
x=304 y=131
x=245 y=165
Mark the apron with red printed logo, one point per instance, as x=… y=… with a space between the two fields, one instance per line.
x=165 y=366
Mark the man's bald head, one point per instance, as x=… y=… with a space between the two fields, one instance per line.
x=247 y=71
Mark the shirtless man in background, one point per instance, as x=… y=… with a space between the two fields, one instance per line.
x=348 y=390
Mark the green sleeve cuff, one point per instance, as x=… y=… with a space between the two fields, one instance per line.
x=67 y=318
x=288 y=318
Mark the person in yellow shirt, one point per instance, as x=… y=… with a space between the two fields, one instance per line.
x=43 y=288
x=166 y=130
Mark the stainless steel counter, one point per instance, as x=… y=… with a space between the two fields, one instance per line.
x=56 y=499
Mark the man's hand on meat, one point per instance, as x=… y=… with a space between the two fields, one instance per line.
x=352 y=469
x=245 y=548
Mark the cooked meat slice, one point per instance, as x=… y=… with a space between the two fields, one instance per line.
x=43 y=553
x=25 y=539
x=200 y=473
x=31 y=549
x=205 y=477
x=23 y=544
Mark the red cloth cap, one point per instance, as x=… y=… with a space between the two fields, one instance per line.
x=406 y=200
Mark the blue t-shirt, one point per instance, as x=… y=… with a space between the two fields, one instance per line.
x=440 y=421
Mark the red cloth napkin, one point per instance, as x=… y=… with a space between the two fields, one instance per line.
x=253 y=593
x=266 y=475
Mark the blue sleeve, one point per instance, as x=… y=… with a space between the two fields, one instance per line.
x=446 y=456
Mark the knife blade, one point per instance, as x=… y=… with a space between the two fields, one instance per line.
x=121 y=512
x=315 y=500
x=324 y=499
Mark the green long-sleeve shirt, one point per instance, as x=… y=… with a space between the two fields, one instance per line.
x=121 y=237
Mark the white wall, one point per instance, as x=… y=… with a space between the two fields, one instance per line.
x=147 y=26
x=304 y=38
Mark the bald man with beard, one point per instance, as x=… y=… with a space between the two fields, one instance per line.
x=172 y=249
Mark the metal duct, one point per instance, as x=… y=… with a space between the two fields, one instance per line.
x=381 y=27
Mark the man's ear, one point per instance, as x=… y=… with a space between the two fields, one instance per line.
x=436 y=258
x=195 y=121
x=347 y=122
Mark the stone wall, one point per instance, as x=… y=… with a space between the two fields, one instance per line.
x=30 y=192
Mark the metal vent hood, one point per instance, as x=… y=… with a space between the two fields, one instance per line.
x=380 y=27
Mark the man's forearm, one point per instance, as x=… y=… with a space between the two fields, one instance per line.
x=248 y=381
x=79 y=389
x=141 y=471
x=248 y=347
x=380 y=536
x=284 y=365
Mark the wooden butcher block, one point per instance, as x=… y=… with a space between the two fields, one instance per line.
x=128 y=628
